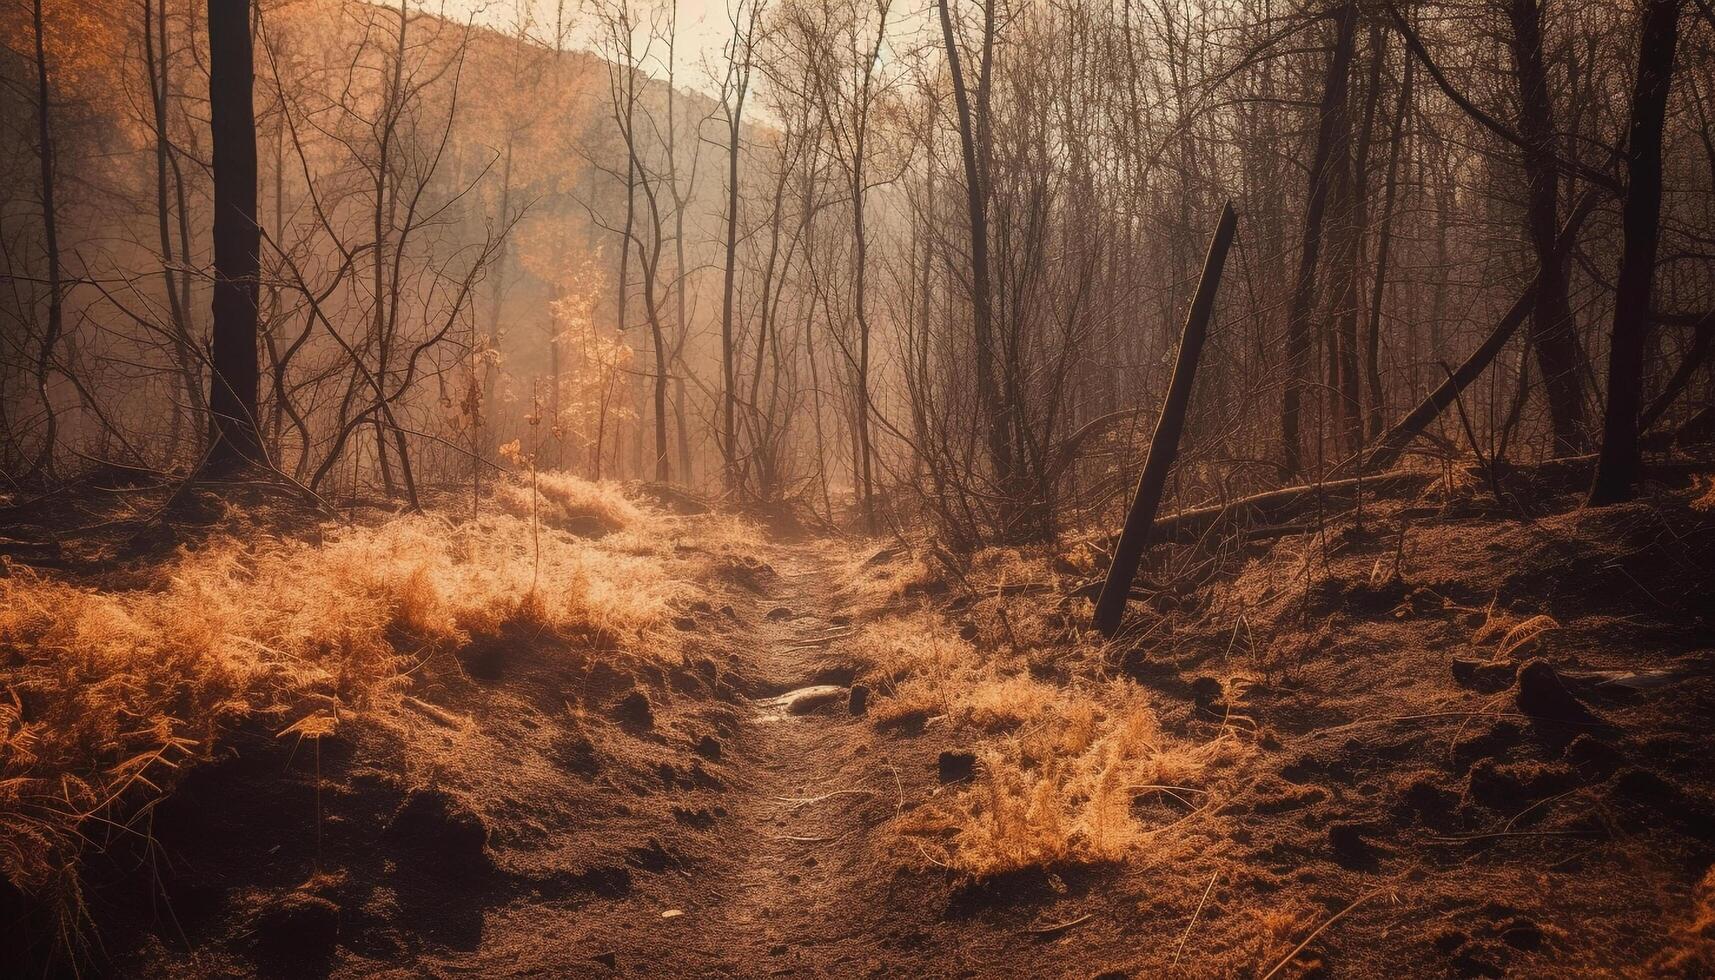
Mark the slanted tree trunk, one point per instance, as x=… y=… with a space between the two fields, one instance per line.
x=1618 y=464
x=1391 y=445
x=237 y=238
x=1164 y=445
x=1552 y=326
x=1328 y=130
x=1702 y=341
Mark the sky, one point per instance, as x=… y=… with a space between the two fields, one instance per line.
x=703 y=29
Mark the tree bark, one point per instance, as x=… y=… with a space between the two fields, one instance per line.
x=1618 y=463
x=1328 y=131
x=237 y=238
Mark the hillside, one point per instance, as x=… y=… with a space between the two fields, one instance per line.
x=703 y=746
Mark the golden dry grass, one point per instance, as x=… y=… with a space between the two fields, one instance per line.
x=1690 y=951
x=1062 y=752
x=571 y=503
x=1705 y=487
x=105 y=695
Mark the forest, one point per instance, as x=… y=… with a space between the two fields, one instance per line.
x=968 y=488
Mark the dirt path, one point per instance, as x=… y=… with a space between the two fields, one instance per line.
x=538 y=810
x=787 y=887
x=799 y=833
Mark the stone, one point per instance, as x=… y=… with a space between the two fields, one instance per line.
x=709 y=748
x=1544 y=697
x=435 y=825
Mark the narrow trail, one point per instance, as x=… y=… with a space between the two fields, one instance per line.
x=798 y=839
x=791 y=886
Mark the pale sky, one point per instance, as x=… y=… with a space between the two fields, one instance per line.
x=702 y=33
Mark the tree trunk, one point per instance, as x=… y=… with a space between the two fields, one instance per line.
x=1618 y=463
x=1329 y=129
x=1384 y=246
x=729 y=397
x=1352 y=194
x=51 y=246
x=993 y=414
x=184 y=348
x=237 y=238
x=1552 y=326
x=1164 y=445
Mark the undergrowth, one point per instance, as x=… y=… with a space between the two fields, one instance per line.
x=1063 y=753
x=106 y=695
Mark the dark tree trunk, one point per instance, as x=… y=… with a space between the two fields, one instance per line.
x=1552 y=326
x=1354 y=227
x=51 y=246
x=1618 y=463
x=1329 y=129
x=237 y=239
x=1384 y=247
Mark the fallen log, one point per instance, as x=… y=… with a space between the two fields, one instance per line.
x=1281 y=506
x=1275 y=513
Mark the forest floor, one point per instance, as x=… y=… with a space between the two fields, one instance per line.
x=1442 y=736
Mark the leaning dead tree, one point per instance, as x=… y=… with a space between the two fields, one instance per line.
x=1387 y=450
x=1164 y=446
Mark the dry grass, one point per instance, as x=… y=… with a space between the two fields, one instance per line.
x=923 y=668
x=1062 y=790
x=1063 y=754
x=571 y=503
x=104 y=695
x=1690 y=951
x=1705 y=487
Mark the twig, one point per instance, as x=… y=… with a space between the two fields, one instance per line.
x=1187 y=933
x=1317 y=932
x=1060 y=926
